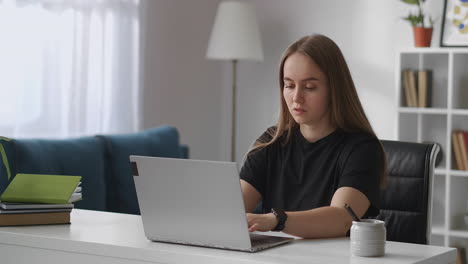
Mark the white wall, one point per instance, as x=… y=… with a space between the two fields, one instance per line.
x=184 y=89
x=181 y=87
x=369 y=33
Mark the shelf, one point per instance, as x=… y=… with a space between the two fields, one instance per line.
x=448 y=111
x=417 y=110
x=460 y=111
x=440 y=111
x=434 y=50
x=458 y=233
x=458 y=173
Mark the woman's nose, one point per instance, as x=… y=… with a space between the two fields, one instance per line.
x=298 y=97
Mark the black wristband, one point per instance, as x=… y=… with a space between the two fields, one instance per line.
x=281 y=216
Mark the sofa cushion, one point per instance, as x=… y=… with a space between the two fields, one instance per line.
x=83 y=157
x=158 y=142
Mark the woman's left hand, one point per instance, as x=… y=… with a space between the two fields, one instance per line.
x=261 y=222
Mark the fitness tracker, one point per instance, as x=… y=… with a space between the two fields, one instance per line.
x=281 y=216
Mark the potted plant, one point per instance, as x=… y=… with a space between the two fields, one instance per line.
x=422 y=34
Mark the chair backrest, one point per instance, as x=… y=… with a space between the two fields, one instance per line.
x=405 y=204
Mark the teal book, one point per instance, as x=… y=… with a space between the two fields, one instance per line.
x=41 y=188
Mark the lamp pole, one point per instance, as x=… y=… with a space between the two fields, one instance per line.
x=233 y=111
x=235 y=36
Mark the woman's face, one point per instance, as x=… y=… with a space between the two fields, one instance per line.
x=305 y=90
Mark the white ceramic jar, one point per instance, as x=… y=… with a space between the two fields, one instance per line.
x=368 y=238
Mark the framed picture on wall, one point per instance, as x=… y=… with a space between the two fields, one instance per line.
x=454 y=31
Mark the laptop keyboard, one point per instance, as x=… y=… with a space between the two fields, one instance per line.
x=262 y=240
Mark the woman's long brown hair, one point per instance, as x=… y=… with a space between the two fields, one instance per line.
x=346 y=112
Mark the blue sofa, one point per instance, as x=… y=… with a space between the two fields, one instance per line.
x=102 y=161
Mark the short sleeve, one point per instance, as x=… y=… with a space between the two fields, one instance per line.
x=254 y=169
x=362 y=169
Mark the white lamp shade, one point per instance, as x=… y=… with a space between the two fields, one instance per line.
x=235 y=34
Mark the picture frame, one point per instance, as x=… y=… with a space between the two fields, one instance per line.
x=454 y=32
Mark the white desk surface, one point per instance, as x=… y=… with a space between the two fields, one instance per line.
x=118 y=238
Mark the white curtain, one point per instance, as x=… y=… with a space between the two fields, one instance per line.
x=69 y=67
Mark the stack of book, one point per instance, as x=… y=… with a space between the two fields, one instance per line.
x=417 y=87
x=460 y=149
x=36 y=199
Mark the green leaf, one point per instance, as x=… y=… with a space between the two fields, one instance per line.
x=414 y=19
x=411 y=2
x=4 y=157
x=5 y=161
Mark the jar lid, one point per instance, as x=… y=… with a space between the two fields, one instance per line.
x=369 y=222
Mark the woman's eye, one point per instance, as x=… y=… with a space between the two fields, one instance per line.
x=311 y=88
x=288 y=86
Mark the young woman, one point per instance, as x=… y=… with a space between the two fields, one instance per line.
x=322 y=153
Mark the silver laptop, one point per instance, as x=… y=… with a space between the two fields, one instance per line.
x=195 y=202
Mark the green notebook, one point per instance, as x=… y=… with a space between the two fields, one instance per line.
x=40 y=188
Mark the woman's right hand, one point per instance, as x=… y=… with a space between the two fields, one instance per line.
x=261 y=222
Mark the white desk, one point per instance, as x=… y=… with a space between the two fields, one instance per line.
x=100 y=237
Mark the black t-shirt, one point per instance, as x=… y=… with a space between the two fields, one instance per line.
x=301 y=175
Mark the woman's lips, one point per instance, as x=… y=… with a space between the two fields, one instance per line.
x=298 y=111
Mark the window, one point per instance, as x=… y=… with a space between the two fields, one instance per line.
x=69 y=67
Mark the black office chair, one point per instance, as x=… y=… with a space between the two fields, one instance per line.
x=406 y=202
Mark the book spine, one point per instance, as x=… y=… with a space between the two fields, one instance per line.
x=35 y=219
x=464 y=144
x=429 y=84
x=464 y=150
x=22 y=206
x=19 y=199
x=406 y=88
x=413 y=92
x=456 y=150
x=422 y=88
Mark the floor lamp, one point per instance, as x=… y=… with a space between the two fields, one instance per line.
x=235 y=36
